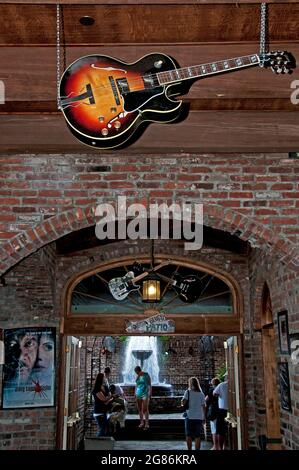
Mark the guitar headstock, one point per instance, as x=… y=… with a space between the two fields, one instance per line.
x=280 y=62
x=137 y=268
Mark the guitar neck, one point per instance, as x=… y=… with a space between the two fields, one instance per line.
x=198 y=71
x=146 y=273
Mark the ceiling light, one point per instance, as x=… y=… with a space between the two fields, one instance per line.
x=151 y=290
x=87 y=20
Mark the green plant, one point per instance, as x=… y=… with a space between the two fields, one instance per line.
x=164 y=339
x=122 y=339
x=220 y=372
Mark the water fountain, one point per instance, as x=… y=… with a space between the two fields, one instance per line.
x=143 y=351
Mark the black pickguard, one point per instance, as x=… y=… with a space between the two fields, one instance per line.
x=143 y=98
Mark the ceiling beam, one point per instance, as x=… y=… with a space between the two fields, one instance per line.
x=147 y=23
x=194 y=104
x=35 y=80
x=205 y=131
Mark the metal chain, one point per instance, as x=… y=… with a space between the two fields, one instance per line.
x=263 y=39
x=58 y=59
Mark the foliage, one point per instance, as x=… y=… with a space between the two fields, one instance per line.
x=122 y=339
x=220 y=372
x=163 y=339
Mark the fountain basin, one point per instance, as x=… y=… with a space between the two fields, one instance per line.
x=158 y=390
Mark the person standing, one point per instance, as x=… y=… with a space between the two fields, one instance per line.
x=221 y=391
x=195 y=415
x=102 y=399
x=143 y=393
x=212 y=409
x=107 y=373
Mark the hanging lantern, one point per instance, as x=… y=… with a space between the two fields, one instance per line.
x=151 y=290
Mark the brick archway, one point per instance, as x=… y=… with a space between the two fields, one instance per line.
x=215 y=216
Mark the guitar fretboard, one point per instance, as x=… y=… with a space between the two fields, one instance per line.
x=196 y=71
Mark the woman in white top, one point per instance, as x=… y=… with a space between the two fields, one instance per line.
x=195 y=415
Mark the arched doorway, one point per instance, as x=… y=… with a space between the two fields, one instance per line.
x=89 y=308
x=273 y=437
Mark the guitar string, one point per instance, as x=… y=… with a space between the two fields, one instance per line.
x=165 y=73
x=206 y=65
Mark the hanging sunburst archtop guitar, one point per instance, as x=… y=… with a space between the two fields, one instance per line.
x=105 y=100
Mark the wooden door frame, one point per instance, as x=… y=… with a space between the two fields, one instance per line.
x=61 y=395
x=270 y=379
x=197 y=325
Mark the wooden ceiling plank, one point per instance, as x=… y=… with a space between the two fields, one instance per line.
x=139 y=2
x=195 y=104
x=36 y=79
x=206 y=131
x=144 y=23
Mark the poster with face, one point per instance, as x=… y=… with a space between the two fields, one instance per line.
x=29 y=369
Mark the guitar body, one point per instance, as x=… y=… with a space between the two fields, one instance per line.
x=120 y=287
x=105 y=100
x=188 y=287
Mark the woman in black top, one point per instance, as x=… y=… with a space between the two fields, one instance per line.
x=102 y=398
x=212 y=409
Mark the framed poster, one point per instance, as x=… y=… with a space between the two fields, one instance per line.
x=29 y=369
x=294 y=347
x=283 y=332
x=284 y=384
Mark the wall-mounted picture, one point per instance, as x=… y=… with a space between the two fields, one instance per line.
x=294 y=347
x=29 y=369
x=283 y=332
x=284 y=383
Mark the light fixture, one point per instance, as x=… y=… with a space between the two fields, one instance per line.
x=151 y=290
x=87 y=20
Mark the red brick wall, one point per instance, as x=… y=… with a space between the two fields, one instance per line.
x=283 y=285
x=255 y=196
x=27 y=300
x=264 y=187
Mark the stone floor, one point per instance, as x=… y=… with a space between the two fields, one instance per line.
x=156 y=445
x=166 y=416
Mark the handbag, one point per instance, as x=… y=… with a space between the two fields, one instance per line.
x=212 y=412
x=186 y=405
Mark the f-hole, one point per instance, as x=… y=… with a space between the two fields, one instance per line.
x=273 y=441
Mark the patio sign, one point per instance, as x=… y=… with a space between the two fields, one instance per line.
x=156 y=324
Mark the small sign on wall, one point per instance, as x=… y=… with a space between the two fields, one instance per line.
x=157 y=324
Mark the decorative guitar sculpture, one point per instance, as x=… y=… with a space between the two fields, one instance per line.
x=105 y=100
x=120 y=287
x=187 y=287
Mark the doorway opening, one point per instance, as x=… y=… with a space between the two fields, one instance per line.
x=170 y=361
x=272 y=440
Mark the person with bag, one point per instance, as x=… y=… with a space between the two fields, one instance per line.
x=102 y=400
x=212 y=410
x=193 y=402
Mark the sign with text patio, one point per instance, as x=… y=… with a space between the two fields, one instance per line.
x=156 y=324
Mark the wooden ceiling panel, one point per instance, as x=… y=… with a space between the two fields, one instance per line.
x=36 y=79
x=138 y=2
x=144 y=23
x=262 y=117
x=205 y=131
